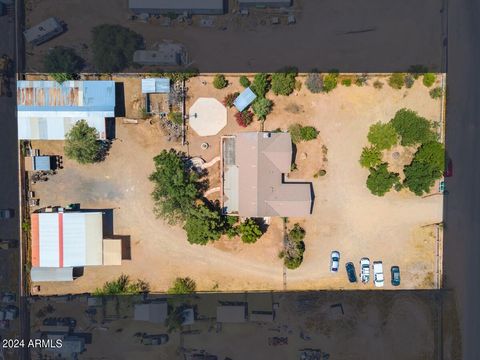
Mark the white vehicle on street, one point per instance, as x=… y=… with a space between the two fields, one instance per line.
x=334 y=260
x=365 y=270
x=378 y=274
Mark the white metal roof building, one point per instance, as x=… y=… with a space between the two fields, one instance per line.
x=67 y=239
x=38 y=274
x=193 y=7
x=48 y=110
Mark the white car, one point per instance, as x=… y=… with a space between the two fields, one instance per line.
x=334 y=261
x=378 y=274
x=365 y=270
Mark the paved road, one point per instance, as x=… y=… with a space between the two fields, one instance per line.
x=462 y=206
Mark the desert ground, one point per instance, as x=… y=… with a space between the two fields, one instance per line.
x=397 y=228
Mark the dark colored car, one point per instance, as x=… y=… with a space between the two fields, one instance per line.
x=395 y=270
x=352 y=276
x=448 y=169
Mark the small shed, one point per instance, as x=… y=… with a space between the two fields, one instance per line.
x=245 y=98
x=152 y=312
x=38 y=163
x=38 y=274
x=112 y=252
x=156 y=86
x=231 y=313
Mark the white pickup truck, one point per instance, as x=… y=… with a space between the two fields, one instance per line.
x=365 y=270
x=378 y=274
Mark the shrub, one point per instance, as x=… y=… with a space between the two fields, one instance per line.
x=249 y=231
x=378 y=84
x=219 y=81
x=412 y=128
x=260 y=84
x=361 y=80
x=417 y=70
x=396 y=80
x=330 y=81
x=297 y=233
x=63 y=60
x=62 y=77
x=182 y=286
x=308 y=133
x=122 y=286
x=244 y=118
x=175 y=117
x=409 y=81
x=347 y=82
x=203 y=225
x=380 y=180
x=429 y=79
x=294 y=248
x=370 y=157
x=82 y=144
x=382 y=136
x=262 y=107
x=230 y=98
x=283 y=83
x=436 y=93
x=314 y=83
x=244 y=81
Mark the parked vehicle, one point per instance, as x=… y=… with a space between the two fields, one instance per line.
x=6 y=213
x=334 y=261
x=378 y=274
x=352 y=276
x=60 y=321
x=395 y=271
x=365 y=270
x=155 y=339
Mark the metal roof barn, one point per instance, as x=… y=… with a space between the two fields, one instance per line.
x=156 y=86
x=67 y=239
x=38 y=274
x=245 y=98
x=195 y=7
x=47 y=110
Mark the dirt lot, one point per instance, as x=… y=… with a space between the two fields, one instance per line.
x=346 y=217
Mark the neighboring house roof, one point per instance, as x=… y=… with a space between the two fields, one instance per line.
x=245 y=98
x=231 y=313
x=67 y=239
x=152 y=312
x=38 y=274
x=155 y=86
x=261 y=160
x=47 y=110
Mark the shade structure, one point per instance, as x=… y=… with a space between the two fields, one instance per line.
x=207 y=116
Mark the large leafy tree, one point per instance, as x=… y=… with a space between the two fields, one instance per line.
x=249 y=231
x=380 y=180
x=370 y=157
x=262 y=107
x=260 y=84
x=82 y=144
x=62 y=60
x=113 y=47
x=176 y=186
x=204 y=225
x=382 y=136
x=283 y=83
x=412 y=128
x=294 y=248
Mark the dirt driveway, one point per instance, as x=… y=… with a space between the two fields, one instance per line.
x=346 y=217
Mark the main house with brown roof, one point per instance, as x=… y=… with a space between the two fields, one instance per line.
x=254 y=169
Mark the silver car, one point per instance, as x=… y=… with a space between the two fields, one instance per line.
x=365 y=270
x=334 y=261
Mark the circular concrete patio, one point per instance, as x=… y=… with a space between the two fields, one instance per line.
x=207 y=116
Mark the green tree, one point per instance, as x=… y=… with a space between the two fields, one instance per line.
x=260 y=84
x=244 y=81
x=314 y=82
x=370 y=157
x=113 y=47
x=330 y=81
x=63 y=63
x=219 y=81
x=176 y=187
x=412 y=128
x=249 y=231
x=380 y=180
x=283 y=83
x=292 y=255
x=229 y=99
x=297 y=233
x=382 y=136
x=396 y=80
x=183 y=286
x=203 y=225
x=429 y=79
x=82 y=144
x=262 y=107
x=436 y=93
x=308 y=133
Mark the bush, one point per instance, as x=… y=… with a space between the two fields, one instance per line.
x=314 y=83
x=396 y=80
x=182 y=286
x=347 y=82
x=230 y=98
x=283 y=83
x=361 y=80
x=62 y=77
x=370 y=157
x=436 y=93
x=330 y=81
x=249 y=231
x=122 y=286
x=262 y=107
x=63 y=60
x=113 y=47
x=244 y=118
x=260 y=84
x=412 y=128
x=382 y=136
x=244 y=81
x=409 y=81
x=297 y=233
x=308 y=133
x=175 y=76
x=203 y=225
x=294 y=248
x=417 y=70
x=378 y=84
x=380 y=180
x=219 y=81
x=429 y=79
x=176 y=117
x=82 y=144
